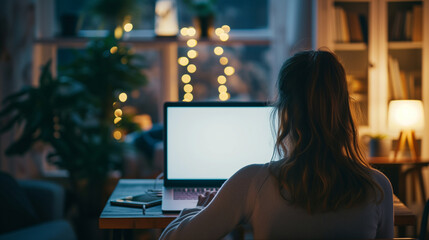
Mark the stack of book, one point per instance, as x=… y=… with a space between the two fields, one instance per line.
x=406 y=25
x=404 y=85
x=350 y=26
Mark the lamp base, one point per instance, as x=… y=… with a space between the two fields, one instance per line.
x=407 y=137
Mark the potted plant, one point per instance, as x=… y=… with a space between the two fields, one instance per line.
x=74 y=115
x=204 y=12
x=379 y=145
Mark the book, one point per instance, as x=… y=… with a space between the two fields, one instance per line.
x=354 y=27
x=344 y=26
x=338 y=27
x=394 y=76
x=417 y=23
x=408 y=29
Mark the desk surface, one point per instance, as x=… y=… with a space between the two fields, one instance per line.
x=118 y=217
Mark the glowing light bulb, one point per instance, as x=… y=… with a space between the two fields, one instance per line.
x=118 y=113
x=186 y=78
x=223 y=60
x=188 y=97
x=224 y=37
x=229 y=71
x=123 y=97
x=117 y=135
x=223 y=96
x=118 y=32
x=192 y=54
x=219 y=31
x=113 y=49
x=184 y=31
x=192 y=31
x=117 y=119
x=226 y=28
x=192 y=68
x=183 y=61
x=222 y=88
x=221 y=79
x=218 y=50
x=192 y=43
x=188 y=88
x=128 y=27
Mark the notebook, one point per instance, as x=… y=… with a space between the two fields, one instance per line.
x=205 y=143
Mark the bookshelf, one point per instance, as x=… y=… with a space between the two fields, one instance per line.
x=384 y=51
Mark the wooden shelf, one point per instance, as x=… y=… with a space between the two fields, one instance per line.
x=405 y=45
x=350 y=46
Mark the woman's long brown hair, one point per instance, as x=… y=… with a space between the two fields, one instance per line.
x=323 y=167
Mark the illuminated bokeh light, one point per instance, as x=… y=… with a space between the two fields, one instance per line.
x=183 y=61
x=218 y=51
x=118 y=32
x=192 y=31
x=117 y=119
x=118 y=113
x=222 y=88
x=229 y=71
x=184 y=31
x=192 y=54
x=123 y=97
x=113 y=49
x=188 y=88
x=224 y=37
x=219 y=31
x=128 y=27
x=192 y=68
x=188 y=97
x=221 y=79
x=223 y=96
x=223 y=60
x=226 y=28
x=192 y=43
x=115 y=104
x=117 y=135
x=186 y=78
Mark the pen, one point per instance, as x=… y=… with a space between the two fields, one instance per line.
x=150 y=204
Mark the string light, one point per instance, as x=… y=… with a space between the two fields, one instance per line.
x=223 y=60
x=118 y=113
x=117 y=119
x=113 y=49
x=226 y=28
x=224 y=37
x=183 y=61
x=117 y=135
x=184 y=31
x=219 y=31
x=221 y=79
x=218 y=51
x=188 y=97
x=123 y=97
x=191 y=31
x=222 y=88
x=229 y=71
x=191 y=68
x=192 y=43
x=188 y=88
x=118 y=32
x=192 y=54
x=186 y=78
x=128 y=27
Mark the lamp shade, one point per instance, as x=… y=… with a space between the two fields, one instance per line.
x=406 y=114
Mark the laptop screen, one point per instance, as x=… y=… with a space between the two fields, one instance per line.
x=211 y=141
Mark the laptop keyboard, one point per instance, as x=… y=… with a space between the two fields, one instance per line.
x=190 y=193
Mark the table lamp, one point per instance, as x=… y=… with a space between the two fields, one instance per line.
x=407 y=116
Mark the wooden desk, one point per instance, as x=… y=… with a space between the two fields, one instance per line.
x=398 y=171
x=117 y=217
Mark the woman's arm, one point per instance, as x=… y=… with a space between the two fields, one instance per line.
x=385 y=223
x=231 y=206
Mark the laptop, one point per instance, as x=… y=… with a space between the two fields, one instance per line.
x=205 y=143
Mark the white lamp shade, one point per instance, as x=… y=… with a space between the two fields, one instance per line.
x=406 y=114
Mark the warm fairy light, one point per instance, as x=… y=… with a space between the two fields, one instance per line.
x=223 y=60
x=221 y=79
x=191 y=43
x=224 y=37
x=222 y=88
x=188 y=97
x=191 y=31
x=229 y=71
x=113 y=49
x=192 y=54
x=118 y=113
x=183 y=61
x=218 y=50
x=192 y=68
x=219 y=31
x=128 y=27
x=123 y=97
x=223 y=96
x=226 y=28
x=184 y=31
x=188 y=88
x=118 y=32
x=186 y=78
x=117 y=119
x=117 y=135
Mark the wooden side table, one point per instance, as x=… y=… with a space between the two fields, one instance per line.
x=398 y=170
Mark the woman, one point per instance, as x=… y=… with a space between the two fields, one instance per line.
x=321 y=188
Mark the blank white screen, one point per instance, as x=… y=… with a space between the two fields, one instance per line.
x=215 y=142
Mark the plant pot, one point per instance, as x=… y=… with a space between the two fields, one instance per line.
x=379 y=147
x=204 y=26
